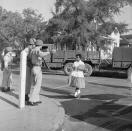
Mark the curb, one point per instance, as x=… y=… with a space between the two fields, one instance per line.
x=59 y=119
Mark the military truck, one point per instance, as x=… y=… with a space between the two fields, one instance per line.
x=64 y=60
x=121 y=60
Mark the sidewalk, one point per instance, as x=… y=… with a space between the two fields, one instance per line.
x=48 y=116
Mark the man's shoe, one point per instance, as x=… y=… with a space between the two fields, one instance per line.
x=38 y=102
x=3 y=89
x=26 y=97
x=8 y=89
x=32 y=103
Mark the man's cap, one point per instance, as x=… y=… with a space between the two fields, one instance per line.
x=8 y=49
x=39 y=43
x=32 y=41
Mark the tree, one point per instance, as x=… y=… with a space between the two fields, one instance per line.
x=76 y=19
x=10 y=27
x=34 y=24
x=16 y=29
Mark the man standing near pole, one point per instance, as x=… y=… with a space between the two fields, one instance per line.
x=7 y=73
x=25 y=73
x=36 y=74
x=29 y=67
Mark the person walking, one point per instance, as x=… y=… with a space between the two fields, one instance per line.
x=36 y=74
x=77 y=75
x=28 y=49
x=7 y=57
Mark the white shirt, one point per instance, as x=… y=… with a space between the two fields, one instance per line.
x=8 y=58
x=77 y=73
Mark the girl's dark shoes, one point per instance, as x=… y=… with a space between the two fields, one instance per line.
x=77 y=93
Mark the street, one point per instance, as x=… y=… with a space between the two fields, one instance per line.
x=105 y=103
x=101 y=97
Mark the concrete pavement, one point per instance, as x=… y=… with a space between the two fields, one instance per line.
x=48 y=116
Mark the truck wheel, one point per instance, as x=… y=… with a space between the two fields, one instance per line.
x=88 y=70
x=68 y=68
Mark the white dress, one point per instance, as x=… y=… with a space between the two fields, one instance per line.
x=77 y=76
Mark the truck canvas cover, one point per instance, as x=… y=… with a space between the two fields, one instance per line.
x=122 y=57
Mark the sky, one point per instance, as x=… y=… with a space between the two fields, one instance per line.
x=125 y=16
x=45 y=6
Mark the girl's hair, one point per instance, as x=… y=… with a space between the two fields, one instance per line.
x=79 y=55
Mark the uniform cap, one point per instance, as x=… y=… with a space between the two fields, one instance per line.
x=39 y=43
x=8 y=49
x=32 y=41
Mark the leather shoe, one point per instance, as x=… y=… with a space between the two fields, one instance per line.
x=38 y=102
x=3 y=89
x=26 y=97
x=32 y=103
x=8 y=89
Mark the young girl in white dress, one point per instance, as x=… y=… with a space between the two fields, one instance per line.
x=77 y=75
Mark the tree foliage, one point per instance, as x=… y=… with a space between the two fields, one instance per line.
x=81 y=21
x=16 y=28
x=74 y=23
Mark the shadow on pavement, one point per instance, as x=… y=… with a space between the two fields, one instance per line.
x=59 y=96
x=9 y=102
x=96 y=112
x=113 y=86
x=93 y=101
x=59 y=91
x=103 y=97
x=11 y=93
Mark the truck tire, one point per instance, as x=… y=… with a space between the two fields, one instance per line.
x=89 y=70
x=68 y=68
